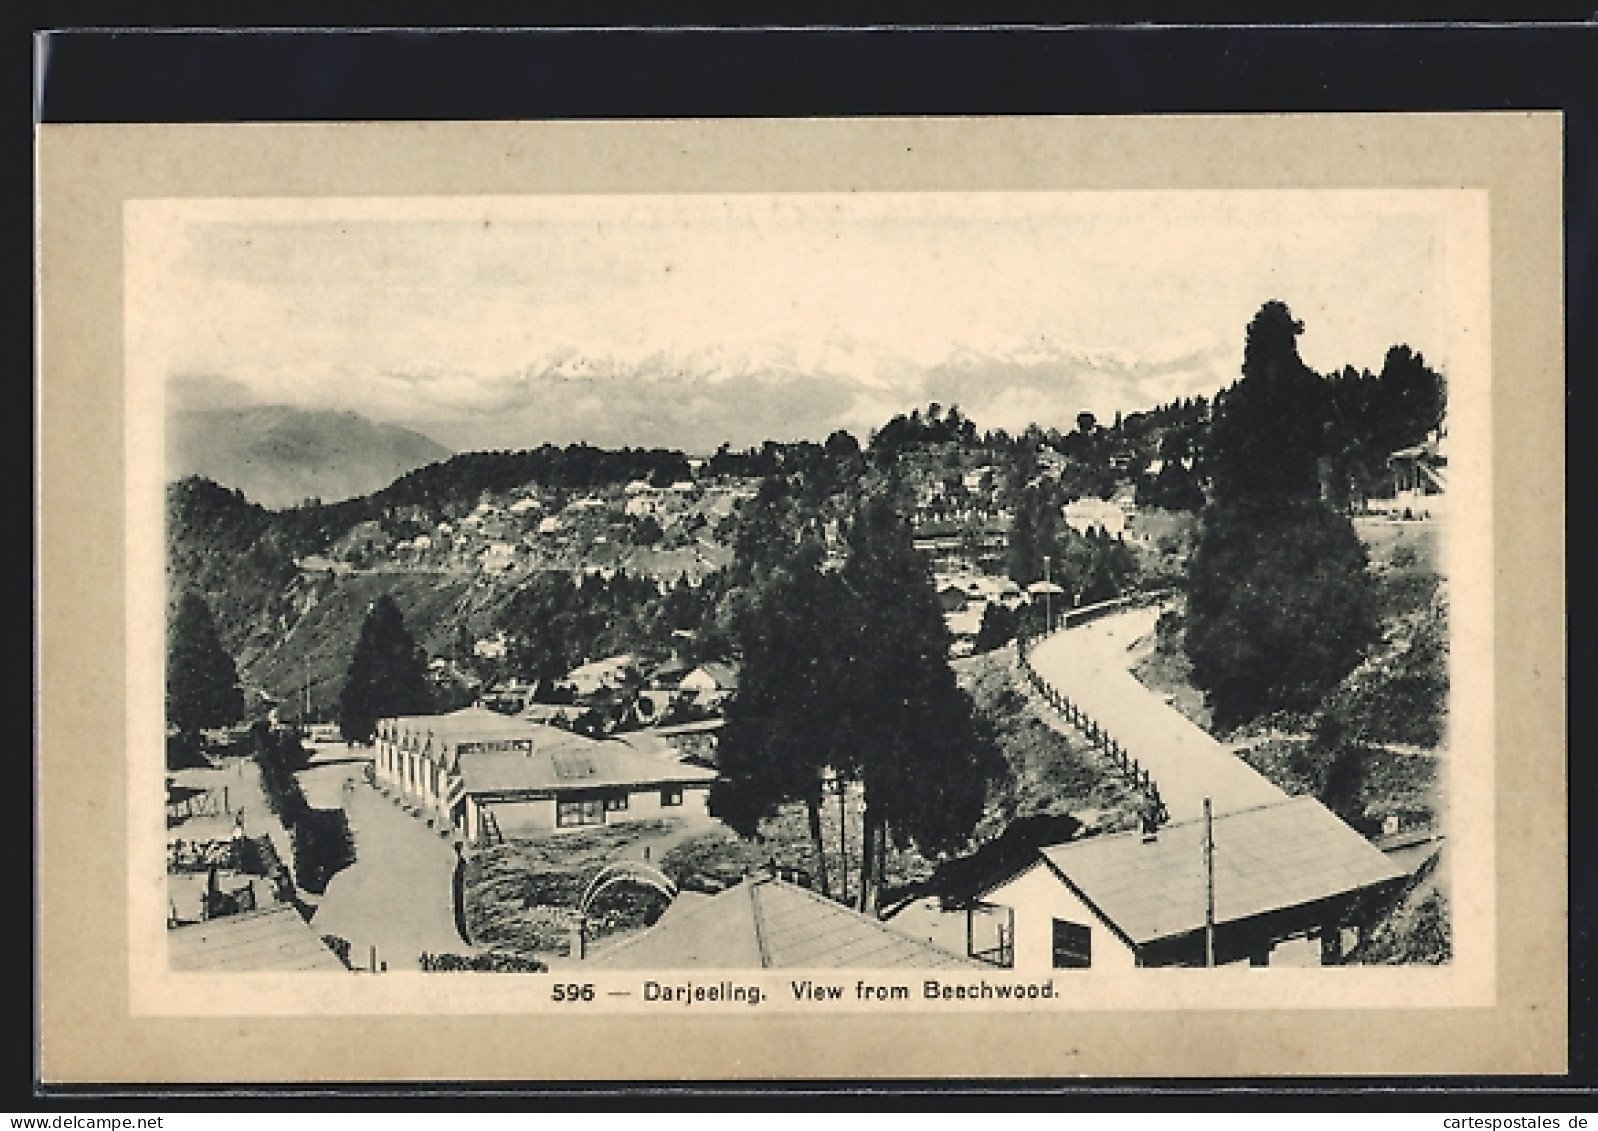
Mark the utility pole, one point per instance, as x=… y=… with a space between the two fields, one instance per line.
x=843 y=838
x=1209 y=887
x=1048 y=608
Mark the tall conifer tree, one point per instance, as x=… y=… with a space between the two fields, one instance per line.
x=1280 y=606
x=387 y=675
x=202 y=683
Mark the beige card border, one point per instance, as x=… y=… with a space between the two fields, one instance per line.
x=89 y=1032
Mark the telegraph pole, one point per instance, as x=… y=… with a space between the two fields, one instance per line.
x=1048 y=614
x=843 y=837
x=1209 y=887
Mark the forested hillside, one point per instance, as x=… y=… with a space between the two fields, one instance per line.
x=281 y=456
x=515 y=564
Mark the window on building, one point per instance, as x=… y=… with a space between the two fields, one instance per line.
x=571 y=813
x=1073 y=948
x=670 y=796
x=615 y=802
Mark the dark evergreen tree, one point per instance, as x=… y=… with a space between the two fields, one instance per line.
x=782 y=731
x=1023 y=555
x=387 y=675
x=1280 y=606
x=915 y=742
x=1410 y=400
x=202 y=683
x=1268 y=434
x=999 y=626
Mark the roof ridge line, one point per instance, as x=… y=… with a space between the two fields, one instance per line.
x=639 y=937
x=1289 y=799
x=760 y=923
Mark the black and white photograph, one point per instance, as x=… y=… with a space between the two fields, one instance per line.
x=796 y=600
x=849 y=600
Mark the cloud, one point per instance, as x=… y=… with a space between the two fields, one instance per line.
x=645 y=411
x=207 y=391
x=690 y=320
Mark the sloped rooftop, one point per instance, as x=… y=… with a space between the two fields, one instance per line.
x=770 y=923
x=470 y=724
x=272 y=939
x=561 y=761
x=1266 y=859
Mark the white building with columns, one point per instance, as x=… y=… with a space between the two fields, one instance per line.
x=477 y=772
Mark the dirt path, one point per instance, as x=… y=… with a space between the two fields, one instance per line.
x=1089 y=665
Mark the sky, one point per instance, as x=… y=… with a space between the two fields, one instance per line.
x=688 y=321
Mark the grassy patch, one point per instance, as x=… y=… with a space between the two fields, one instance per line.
x=1384 y=783
x=718 y=859
x=1166 y=670
x=1049 y=772
x=522 y=896
x=1417 y=928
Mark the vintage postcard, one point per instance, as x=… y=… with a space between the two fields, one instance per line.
x=699 y=600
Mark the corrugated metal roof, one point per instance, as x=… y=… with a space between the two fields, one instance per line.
x=1266 y=859
x=470 y=724
x=770 y=923
x=273 y=939
x=569 y=761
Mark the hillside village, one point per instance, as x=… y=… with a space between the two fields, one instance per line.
x=579 y=630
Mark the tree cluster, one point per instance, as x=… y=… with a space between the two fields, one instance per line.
x=202 y=683
x=845 y=679
x=321 y=838
x=387 y=674
x=1280 y=604
x=554 y=622
x=1088 y=567
x=829 y=465
x=919 y=430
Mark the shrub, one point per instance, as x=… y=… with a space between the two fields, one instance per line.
x=492 y=962
x=339 y=946
x=321 y=838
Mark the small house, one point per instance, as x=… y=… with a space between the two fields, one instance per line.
x=1278 y=872
x=273 y=938
x=1419 y=480
x=606 y=674
x=1083 y=515
x=965 y=626
x=507 y=698
x=710 y=683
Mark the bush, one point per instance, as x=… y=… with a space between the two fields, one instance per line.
x=493 y=962
x=186 y=750
x=999 y=625
x=321 y=838
x=1280 y=608
x=339 y=946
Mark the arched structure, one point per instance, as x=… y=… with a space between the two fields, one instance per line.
x=622 y=872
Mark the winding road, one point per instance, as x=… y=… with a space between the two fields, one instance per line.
x=1090 y=663
x=398 y=895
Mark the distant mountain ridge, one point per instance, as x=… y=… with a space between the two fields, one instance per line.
x=280 y=456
